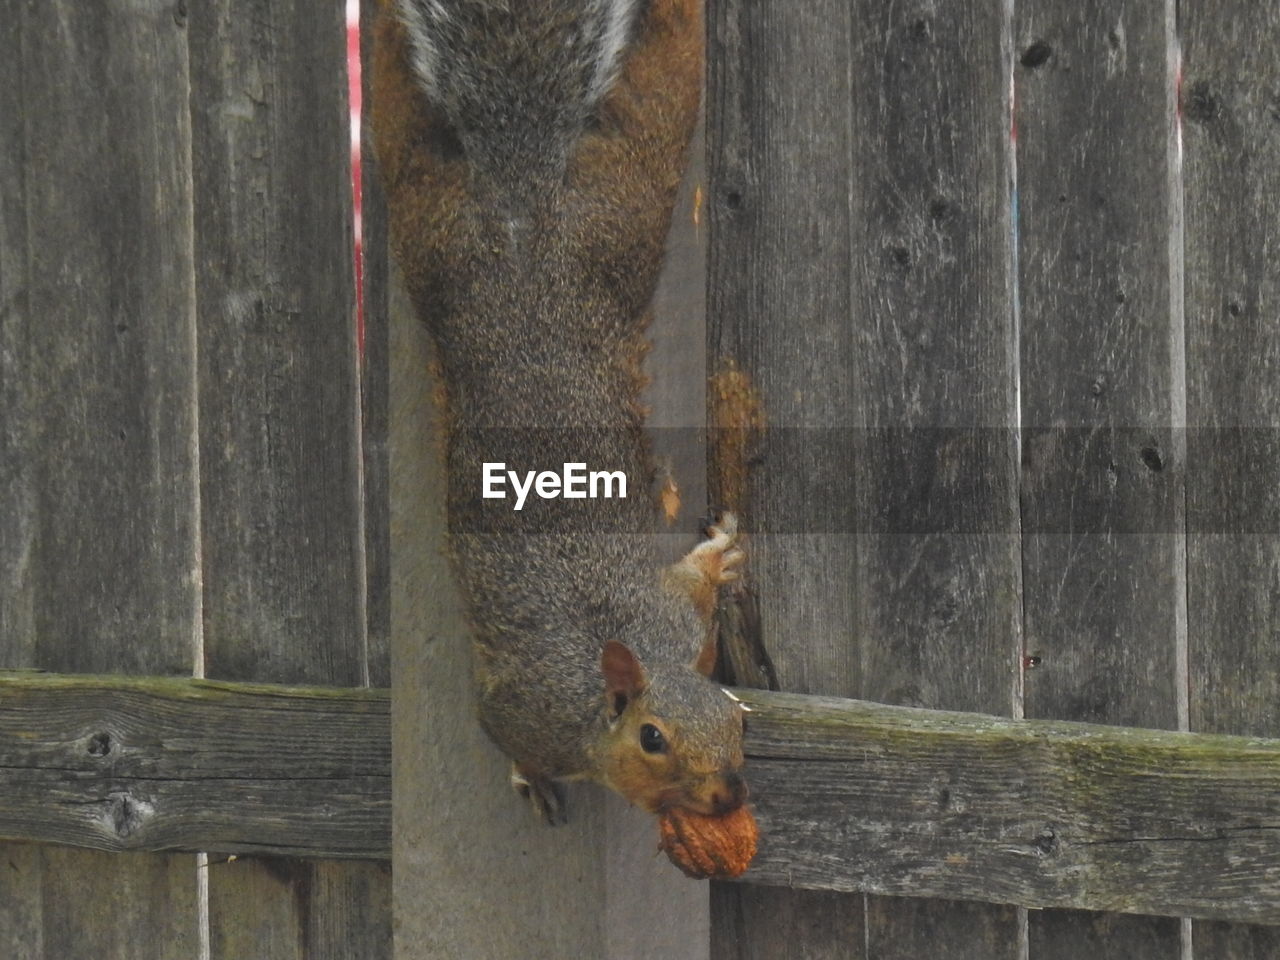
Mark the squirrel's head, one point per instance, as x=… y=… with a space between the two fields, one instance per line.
x=674 y=737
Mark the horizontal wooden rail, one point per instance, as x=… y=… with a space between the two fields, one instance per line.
x=860 y=796
x=850 y=795
x=126 y=763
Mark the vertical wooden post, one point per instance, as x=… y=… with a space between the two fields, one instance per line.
x=475 y=874
x=1230 y=118
x=98 y=528
x=1102 y=394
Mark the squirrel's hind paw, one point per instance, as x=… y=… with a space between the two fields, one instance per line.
x=546 y=796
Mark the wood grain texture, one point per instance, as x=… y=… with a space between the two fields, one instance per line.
x=939 y=613
x=778 y=207
x=1101 y=356
x=282 y=505
x=908 y=929
x=819 y=925
x=279 y=410
x=152 y=764
x=96 y=453
x=1231 y=175
x=1040 y=813
x=860 y=276
x=375 y=384
x=306 y=908
x=98 y=486
x=852 y=795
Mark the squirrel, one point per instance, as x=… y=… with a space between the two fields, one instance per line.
x=530 y=151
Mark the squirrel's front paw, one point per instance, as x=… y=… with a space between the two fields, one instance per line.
x=544 y=794
x=710 y=565
x=721 y=555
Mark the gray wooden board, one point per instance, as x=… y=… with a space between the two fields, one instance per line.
x=932 y=372
x=375 y=386
x=854 y=795
x=279 y=410
x=280 y=458
x=1231 y=176
x=1100 y=366
x=909 y=929
x=96 y=345
x=320 y=895
x=97 y=474
x=117 y=906
x=809 y=925
x=149 y=764
x=860 y=275
x=777 y=310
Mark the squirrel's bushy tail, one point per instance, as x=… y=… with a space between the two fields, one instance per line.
x=517 y=80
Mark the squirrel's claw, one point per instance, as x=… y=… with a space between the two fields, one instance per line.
x=545 y=795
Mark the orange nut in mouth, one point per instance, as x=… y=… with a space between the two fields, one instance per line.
x=709 y=847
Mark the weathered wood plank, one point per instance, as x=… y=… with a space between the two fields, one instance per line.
x=778 y=207
x=375 y=382
x=98 y=485
x=851 y=795
x=96 y=351
x=321 y=894
x=277 y=343
x=1100 y=387
x=1035 y=813
x=1232 y=228
x=149 y=911
x=284 y=537
x=821 y=925
x=908 y=929
x=861 y=278
x=156 y=764
x=933 y=370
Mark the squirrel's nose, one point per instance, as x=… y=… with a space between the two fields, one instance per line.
x=729 y=794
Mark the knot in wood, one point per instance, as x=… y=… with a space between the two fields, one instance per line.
x=126 y=814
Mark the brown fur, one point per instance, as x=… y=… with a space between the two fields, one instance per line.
x=533 y=261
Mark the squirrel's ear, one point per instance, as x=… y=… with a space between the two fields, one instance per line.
x=708 y=655
x=624 y=678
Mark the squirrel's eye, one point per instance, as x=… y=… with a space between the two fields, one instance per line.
x=651 y=739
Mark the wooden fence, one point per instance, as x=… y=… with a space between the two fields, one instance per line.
x=181 y=440
x=1019 y=460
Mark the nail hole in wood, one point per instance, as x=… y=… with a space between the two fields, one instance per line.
x=1036 y=55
